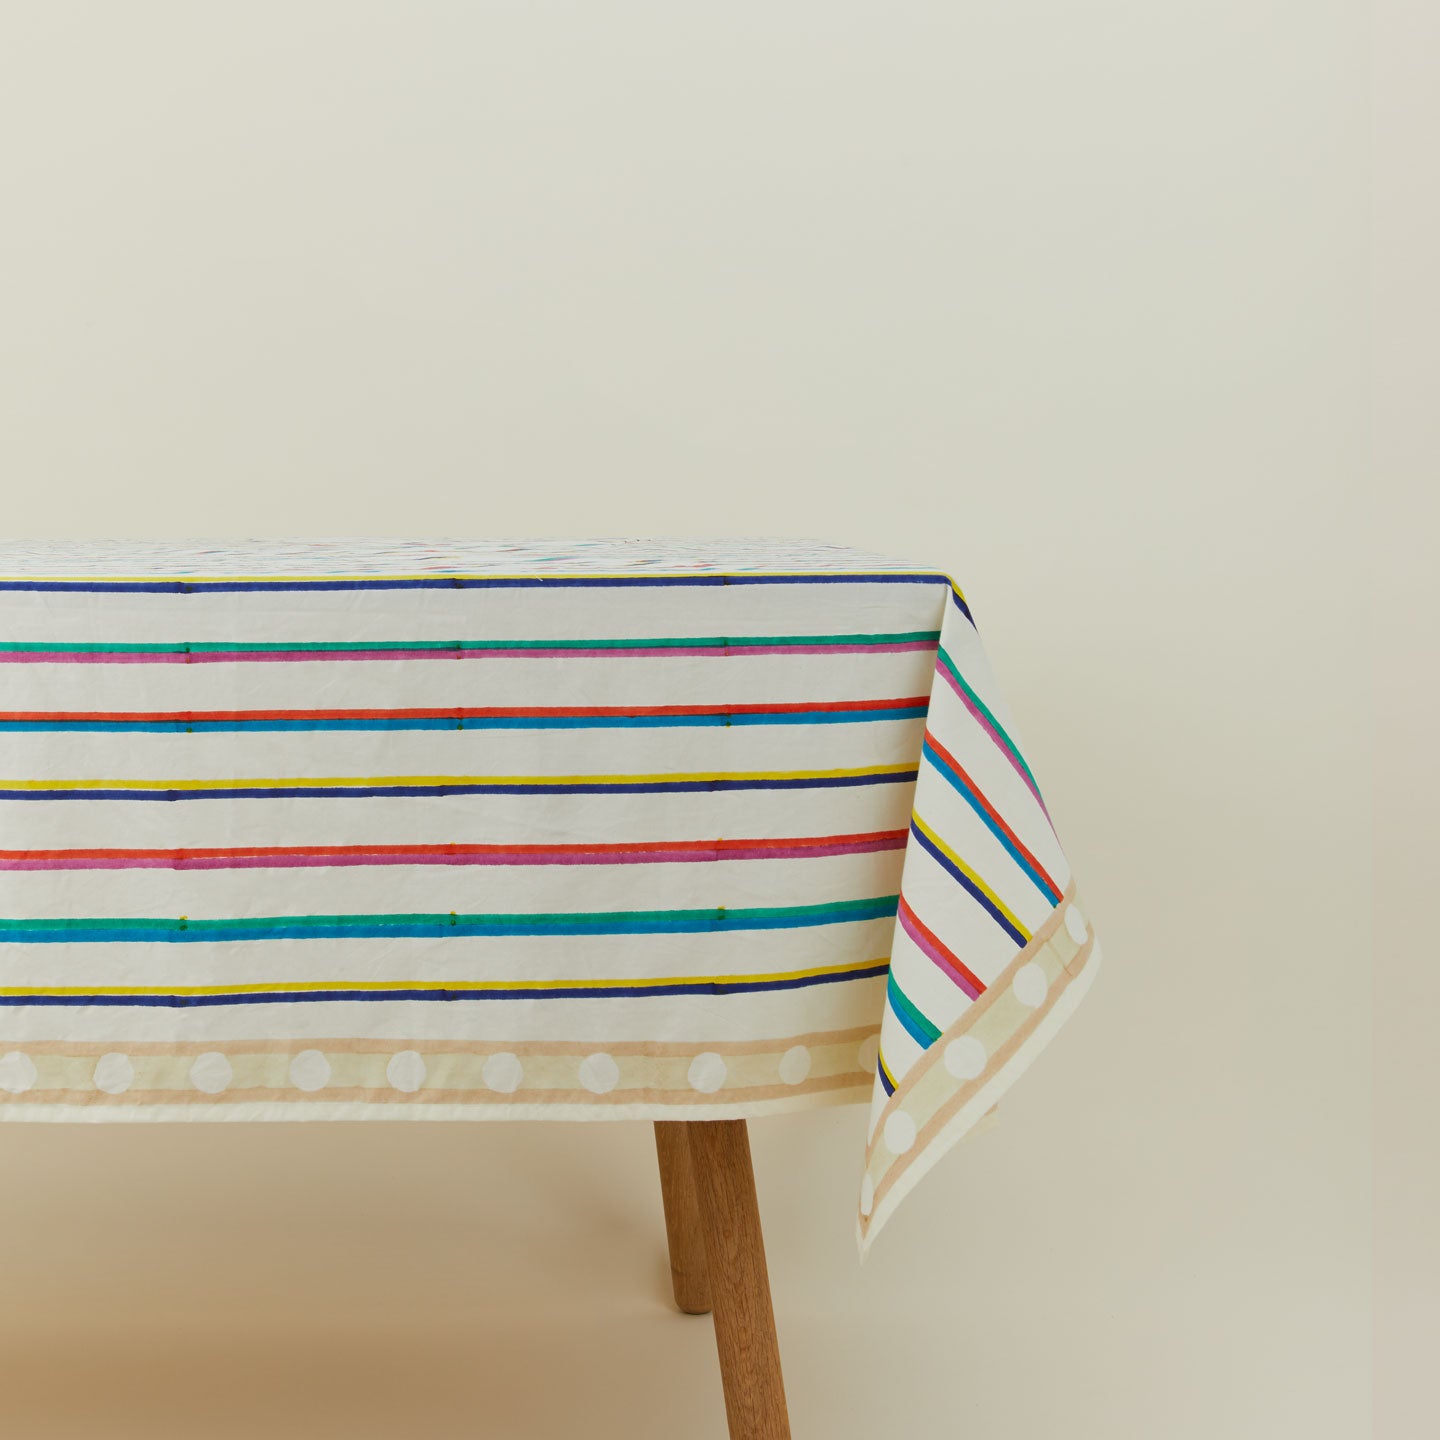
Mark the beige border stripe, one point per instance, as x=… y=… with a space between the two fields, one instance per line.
x=368 y=1046
x=1000 y=1059
x=855 y=1079
x=972 y=1013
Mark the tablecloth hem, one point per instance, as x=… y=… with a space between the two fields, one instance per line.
x=965 y=1120
x=303 y=1110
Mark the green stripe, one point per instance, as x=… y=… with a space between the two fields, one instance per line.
x=985 y=710
x=905 y=1007
x=538 y=923
x=643 y=642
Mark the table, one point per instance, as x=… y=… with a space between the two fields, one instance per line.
x=573 y=830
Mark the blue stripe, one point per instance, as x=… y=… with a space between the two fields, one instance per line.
x=558 y=993
x=969 y=886
x=464 y=582
x=501 y=722
x=964 y=791
x=303 y=792
x=905 y=1010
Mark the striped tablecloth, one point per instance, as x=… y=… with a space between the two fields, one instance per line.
x=576 y=830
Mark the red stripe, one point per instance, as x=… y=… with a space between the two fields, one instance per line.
x=880 y=839
x=953 y=764
x=496 y=712
x=942 y=951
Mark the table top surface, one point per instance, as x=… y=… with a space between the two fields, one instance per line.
x=383 y=557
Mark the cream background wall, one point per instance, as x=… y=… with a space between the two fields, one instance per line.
x=1069 y=299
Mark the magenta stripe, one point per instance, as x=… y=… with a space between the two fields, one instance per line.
x=908 y=925
x=990 y=730
x=510 y=857
x=214 y=657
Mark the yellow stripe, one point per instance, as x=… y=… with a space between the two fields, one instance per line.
x=439 y=575
x=970 y=875
x=334 y=781
x=478 y=986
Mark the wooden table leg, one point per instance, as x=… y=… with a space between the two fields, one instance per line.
x=689 y=1274
x=724 y=1183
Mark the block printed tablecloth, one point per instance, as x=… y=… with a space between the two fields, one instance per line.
x=354 y=830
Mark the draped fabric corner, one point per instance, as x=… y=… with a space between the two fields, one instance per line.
x=991 y=952
x=484 y=830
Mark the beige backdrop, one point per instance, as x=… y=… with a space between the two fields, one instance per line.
x=1067 y=298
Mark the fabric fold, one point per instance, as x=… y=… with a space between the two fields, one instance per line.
x=991 y=952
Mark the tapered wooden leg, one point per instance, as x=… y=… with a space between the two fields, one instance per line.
x=739 y=1283
x=689 y=1274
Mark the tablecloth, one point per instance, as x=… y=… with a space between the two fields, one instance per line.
x=577 y=830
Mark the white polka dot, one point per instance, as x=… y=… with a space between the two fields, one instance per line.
x=114 y=1074
x=211 y=1072
x=867 y=1195
x=795 y=1064
x=869 y=1054
x=899 y=1132
x=406 y=1071
x=310 y=1070
x=17 y=1072
x=1030 y=985
x=599 y=1073
x=965 y=1057
x=1075 y=924
x=707 y=1072
x=502 y=1072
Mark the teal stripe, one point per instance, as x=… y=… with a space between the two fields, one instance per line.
x=944 y=659
x=442 y=926
x=100 y=724
x=974 y=801
x=921 y=1029
x=718 y=642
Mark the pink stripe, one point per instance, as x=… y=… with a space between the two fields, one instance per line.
x=69 y=657
x=213 y=657
x=990 y=730
x=892 y=649
x=293 y=862
x=963 y=981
